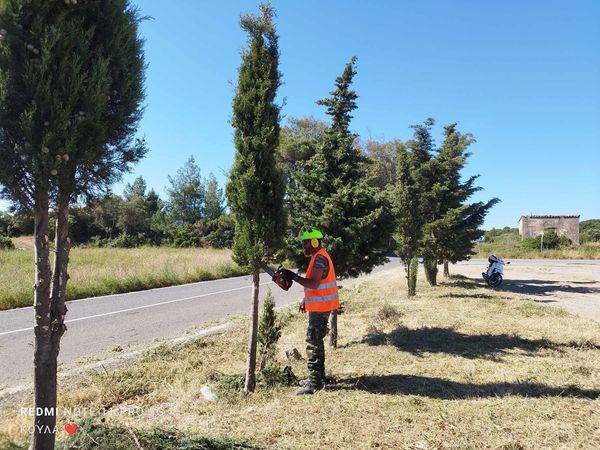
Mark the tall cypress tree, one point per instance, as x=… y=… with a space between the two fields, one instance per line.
x=409 y=198
x=71 y=87
x=256 y=187
x=336 y=196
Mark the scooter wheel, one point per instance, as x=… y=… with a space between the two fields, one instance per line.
x=495 y=280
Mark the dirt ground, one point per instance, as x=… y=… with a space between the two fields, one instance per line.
x=572 y=285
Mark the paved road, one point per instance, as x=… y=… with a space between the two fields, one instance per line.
x=100 y=323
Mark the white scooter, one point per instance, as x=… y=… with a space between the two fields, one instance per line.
x=494 y=272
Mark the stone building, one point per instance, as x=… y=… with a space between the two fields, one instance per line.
x=532 y=226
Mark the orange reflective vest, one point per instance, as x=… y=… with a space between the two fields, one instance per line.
x=325 y=297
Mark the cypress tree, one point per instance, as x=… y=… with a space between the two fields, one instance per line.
x=335 y=194
x=451 y=234
x=256 y=187
x=71 y=87
x=409 y=198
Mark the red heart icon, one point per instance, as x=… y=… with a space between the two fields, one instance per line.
x=71 y=428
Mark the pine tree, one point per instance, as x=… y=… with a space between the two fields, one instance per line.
x=71 y=87
x=213 y=208
x=299 y=141
x=451 y=235
x=335 y=195
x=186 y=195
x=256 y=187
x=409 y=198
x=137 y=188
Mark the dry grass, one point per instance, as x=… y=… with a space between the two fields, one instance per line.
x=457 y=367
x=101 y=271
x=512 y=249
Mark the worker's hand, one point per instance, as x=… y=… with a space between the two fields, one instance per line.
x=301 y=307
x=289 y=274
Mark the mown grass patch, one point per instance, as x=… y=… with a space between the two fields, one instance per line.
x=458 y=366
x=104 y=271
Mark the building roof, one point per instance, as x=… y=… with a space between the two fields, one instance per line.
x=550 y=217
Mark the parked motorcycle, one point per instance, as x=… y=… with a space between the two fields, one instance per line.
x=495 y=271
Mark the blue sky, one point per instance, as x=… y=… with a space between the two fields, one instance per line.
x=522 y=77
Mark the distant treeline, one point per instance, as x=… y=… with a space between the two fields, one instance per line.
x=192 y=215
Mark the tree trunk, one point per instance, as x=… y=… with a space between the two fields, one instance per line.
x=45 y=354
x=333 y=330
x=411 y=273
x=250 y=383
x=446 y=271
x=431 y=270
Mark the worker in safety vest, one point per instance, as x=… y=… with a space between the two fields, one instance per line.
x=320 y=298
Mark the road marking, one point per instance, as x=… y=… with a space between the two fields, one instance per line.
x=138 y=307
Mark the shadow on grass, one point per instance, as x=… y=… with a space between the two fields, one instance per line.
x=545 y=287
x=452 y=390
x=480 y=296
x=447 y=340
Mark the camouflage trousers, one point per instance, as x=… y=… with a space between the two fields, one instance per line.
x=315 y=347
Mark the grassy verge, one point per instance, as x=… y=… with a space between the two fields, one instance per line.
x=589 y=250
x=102 y=271
x=458 y=367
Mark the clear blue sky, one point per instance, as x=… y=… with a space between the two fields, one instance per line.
x=522 y=77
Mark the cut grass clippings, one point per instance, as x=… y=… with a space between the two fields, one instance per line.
x=459 y=366
x=105 y=271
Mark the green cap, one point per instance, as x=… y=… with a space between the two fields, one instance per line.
x=310 y=233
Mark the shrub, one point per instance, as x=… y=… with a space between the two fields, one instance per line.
x=269 y=332
x=185 y=236
x=551 y=241
x=126 y=241
x=6 y=243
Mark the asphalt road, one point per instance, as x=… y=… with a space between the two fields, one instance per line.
x=100 y=323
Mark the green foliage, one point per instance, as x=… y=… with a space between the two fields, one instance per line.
x=70 y=98
x=431 y=270
x=383 y=159
x=269 y=332
x=82 y=225
x=453 y=225
x=185 y=236
x=409 y=197
x=94 y=436
x=274 y=375
x=299 y=141
x=256 y=188
x=213 y=200
x=135 y=189
x=589 y=231
x=217 y=233
x=6 y=222
x=6 y=243
x=551 y=241
x=334 y=193
x=124 y=240
x=430 y=200
x=186 y=195
x=502 y=234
